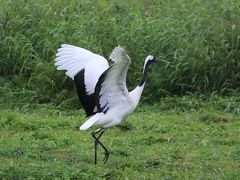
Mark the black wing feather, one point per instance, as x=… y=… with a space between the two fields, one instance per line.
x=101 y=108
x=88 y=101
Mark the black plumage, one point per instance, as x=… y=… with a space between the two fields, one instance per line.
x=88 y=101
x=101 y=108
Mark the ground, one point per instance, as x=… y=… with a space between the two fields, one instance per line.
x=178 y=138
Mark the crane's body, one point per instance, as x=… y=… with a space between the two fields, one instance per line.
x=102 y=88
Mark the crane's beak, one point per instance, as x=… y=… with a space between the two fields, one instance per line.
x=161 y=61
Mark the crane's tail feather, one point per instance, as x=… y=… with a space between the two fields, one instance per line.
x=91 y=121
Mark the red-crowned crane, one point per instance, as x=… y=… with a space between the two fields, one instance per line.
x=102 y=88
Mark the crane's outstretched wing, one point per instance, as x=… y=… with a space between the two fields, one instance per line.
x=74 y=59
x=85 y=68
x=111 y=88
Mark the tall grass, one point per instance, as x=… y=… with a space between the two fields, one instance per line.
x=200 y=39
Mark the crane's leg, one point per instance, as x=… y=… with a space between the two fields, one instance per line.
x=97 y=141
x=94 y=133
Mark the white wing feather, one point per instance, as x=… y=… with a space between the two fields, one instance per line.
x=74 y=59
x=113 y=88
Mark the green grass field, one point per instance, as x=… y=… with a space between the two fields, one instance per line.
x=178 y=138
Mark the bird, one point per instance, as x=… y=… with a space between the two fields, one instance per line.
x=101 y=87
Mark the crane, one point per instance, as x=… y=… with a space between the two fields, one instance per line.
x=102 y=88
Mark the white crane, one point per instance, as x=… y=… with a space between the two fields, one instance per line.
x=102 y=88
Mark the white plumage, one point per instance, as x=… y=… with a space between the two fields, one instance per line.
x=73 y=59
x=91 y=121
x=102 y=89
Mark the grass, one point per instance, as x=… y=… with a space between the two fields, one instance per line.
x=179 y=138
x=201 y=40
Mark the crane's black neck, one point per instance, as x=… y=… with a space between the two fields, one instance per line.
x=145 y=71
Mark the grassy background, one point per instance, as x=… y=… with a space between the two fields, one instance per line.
x=201 y=40
x=181 y=138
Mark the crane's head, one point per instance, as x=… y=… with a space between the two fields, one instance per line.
x=151 y=59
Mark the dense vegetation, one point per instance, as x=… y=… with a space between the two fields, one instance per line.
x=201 y=40
x=181 y=138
